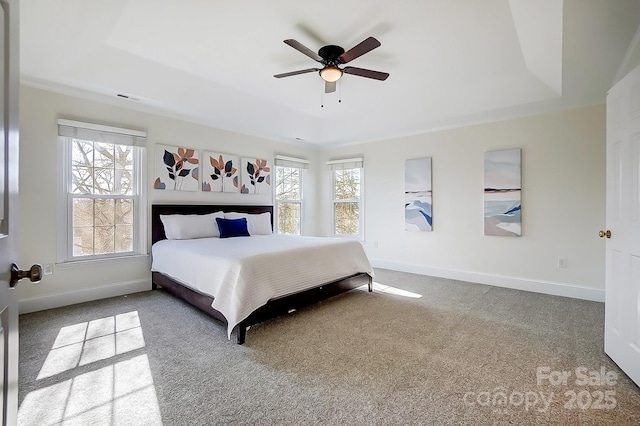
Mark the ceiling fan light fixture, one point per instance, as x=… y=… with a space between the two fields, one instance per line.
x=331 y=73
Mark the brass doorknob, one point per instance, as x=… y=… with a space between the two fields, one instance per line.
x=34 y=274
x=603 y=234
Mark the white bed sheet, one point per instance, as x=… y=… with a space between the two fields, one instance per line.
x=243 y=273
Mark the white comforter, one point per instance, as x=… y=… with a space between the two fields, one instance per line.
x=243 y=273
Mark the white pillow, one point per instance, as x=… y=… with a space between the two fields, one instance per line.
x=188 y=226
x=257 y=224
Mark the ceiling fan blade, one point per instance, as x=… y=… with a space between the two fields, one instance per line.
x=376 y=75
x=329 y=87
x=312 y=34
x=289 y=74
x=358 y=50
x=303 y=49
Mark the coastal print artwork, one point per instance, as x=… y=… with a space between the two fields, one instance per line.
x=176 y=168
x=502 y=193
x=220 y=172
x=256 y=176
x=417 y=194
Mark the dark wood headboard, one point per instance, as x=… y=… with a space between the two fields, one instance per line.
x=157 y=230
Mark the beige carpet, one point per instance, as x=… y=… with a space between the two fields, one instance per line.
x=418 y=350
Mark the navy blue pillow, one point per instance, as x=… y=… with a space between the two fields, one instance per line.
x=232 y=227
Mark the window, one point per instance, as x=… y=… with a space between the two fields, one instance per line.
x=289 y=194
x=102 y=185
x=347 y=196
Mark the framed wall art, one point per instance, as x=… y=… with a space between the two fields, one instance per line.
x=176 y=168
x=256 y=176
x=220 y=172
x=502 y=193
x=418 y=195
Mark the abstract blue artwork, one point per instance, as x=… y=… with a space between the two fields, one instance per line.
x=502 y=193
x=417 y=195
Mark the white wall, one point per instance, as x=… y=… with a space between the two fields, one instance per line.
x=632 y=57
x=563 y=199
x=563 y=181
x=39 y=111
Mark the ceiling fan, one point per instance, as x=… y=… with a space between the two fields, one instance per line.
x=331 y=57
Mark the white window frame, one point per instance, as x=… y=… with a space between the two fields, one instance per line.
x=294 y=163
x=69 y=130
x=347 y=164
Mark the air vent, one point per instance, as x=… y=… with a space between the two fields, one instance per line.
x=120 y=95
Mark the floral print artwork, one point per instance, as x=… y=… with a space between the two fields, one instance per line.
x=220 y=172
x=176 y=168
x=256 y=176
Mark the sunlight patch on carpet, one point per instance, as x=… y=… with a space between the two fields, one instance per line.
x=88 y=342
x=382 y=288
x=119 y=393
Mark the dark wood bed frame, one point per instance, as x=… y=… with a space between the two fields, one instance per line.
x=275 y=307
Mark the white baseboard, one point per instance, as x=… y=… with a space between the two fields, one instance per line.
x=35 y=304
x=536 y=286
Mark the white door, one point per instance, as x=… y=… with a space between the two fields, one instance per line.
x=8 y=205
x=622 y=299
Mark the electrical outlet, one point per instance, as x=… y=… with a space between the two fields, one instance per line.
x=375 y=244
x=562 y=262
x=48 y=269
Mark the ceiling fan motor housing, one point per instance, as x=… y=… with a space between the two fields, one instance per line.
x=331 y=54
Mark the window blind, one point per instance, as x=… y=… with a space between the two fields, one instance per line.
x=347 y=163
x=101 y=133
x=284 y=161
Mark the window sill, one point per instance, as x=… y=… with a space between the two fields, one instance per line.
x=72 y=264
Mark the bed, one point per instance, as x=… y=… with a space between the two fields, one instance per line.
x=226 y=287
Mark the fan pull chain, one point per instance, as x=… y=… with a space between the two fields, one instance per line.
x=339 y=91
x=322 y=95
